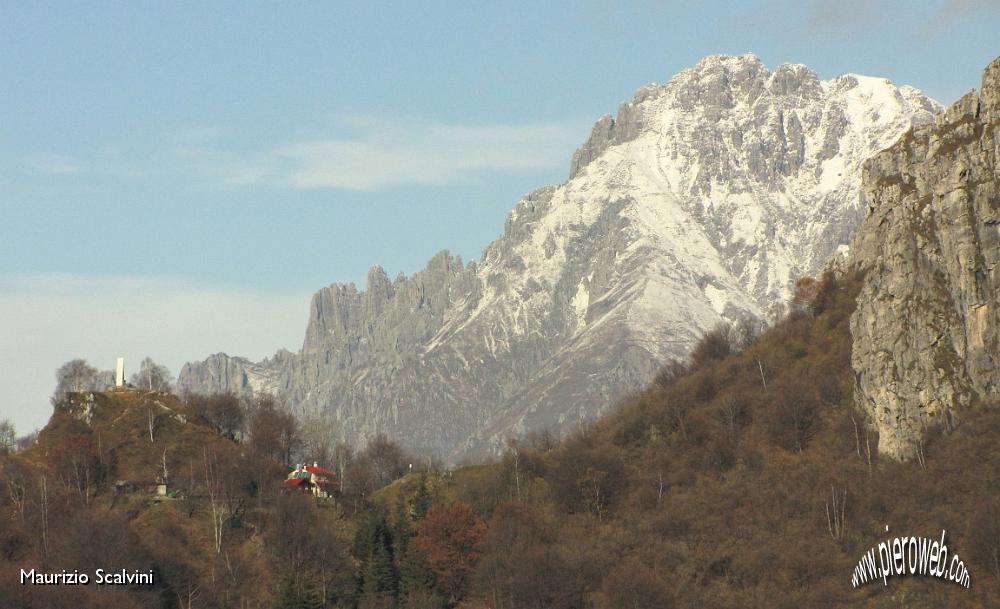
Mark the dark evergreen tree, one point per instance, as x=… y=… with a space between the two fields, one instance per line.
x=288 y=596
x=299 y=591
x=378 y=582
x=310 y=596
x=402 y=528
x=421 y=500
x=415 y=581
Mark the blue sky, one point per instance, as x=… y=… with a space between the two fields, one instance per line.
x=177 y=178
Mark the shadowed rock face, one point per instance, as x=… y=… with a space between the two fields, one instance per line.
x=699 y=203
x=927 y=327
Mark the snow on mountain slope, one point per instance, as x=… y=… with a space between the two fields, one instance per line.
x=700 y=203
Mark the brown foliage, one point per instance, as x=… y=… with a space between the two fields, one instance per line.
x=806 y=289
x=714 y=345
x=586 y=476
x=448 y=537
x=636 y=586
x=273 y=433
x=722 y=475
x=669 y=373
x=794 y=413
x=223 y=411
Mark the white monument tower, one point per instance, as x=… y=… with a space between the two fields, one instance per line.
x=120 y=373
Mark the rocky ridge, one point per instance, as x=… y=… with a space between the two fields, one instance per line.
x=927 y=327
x=698 y=204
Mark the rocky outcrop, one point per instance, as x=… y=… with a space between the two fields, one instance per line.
x=927 y=326
x=698 y=204
x=608 y=131
x=237 y=375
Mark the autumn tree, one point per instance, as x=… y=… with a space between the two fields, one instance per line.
x=519 y=566
x=586 y=477
x=8 y=437
x=88 y=539
x=74 y=376
x=748 y=328
x=733 y=413
x=542 y=440
x=670 y=372
x=223 y=411
x=676 y=412
x=79 y=465
x=172 y=551
x=319 y=433
x=16 y=477
x=388 y=462
x=448 y=537
x=273 y=432
x=314 y=559
x=381 y=462
x=214 y=481
x=714 y=345
x=794 y=414
x=804 y=296
x=152 y=376
x=635 y=586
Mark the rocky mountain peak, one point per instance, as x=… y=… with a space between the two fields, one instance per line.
x=989 y=97
x=697 y=204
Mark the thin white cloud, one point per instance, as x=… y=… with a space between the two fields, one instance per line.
x=53 y=164
x=378 y=153
x=48 y=319
x=957 y=10
x=836 y=17
x=971 y=6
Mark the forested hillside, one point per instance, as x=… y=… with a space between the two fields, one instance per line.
x=742 y=478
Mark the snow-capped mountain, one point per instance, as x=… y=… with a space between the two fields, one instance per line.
x=701 y=202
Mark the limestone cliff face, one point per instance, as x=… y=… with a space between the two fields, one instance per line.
x=927 y=326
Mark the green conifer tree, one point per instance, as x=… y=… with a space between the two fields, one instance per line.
x=421 y=500
x=310 y=596
x=378 y=584
x=287 y=596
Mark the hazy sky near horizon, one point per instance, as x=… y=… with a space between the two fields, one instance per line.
x=177 y=178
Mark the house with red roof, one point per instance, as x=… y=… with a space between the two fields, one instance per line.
x=311 y=480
